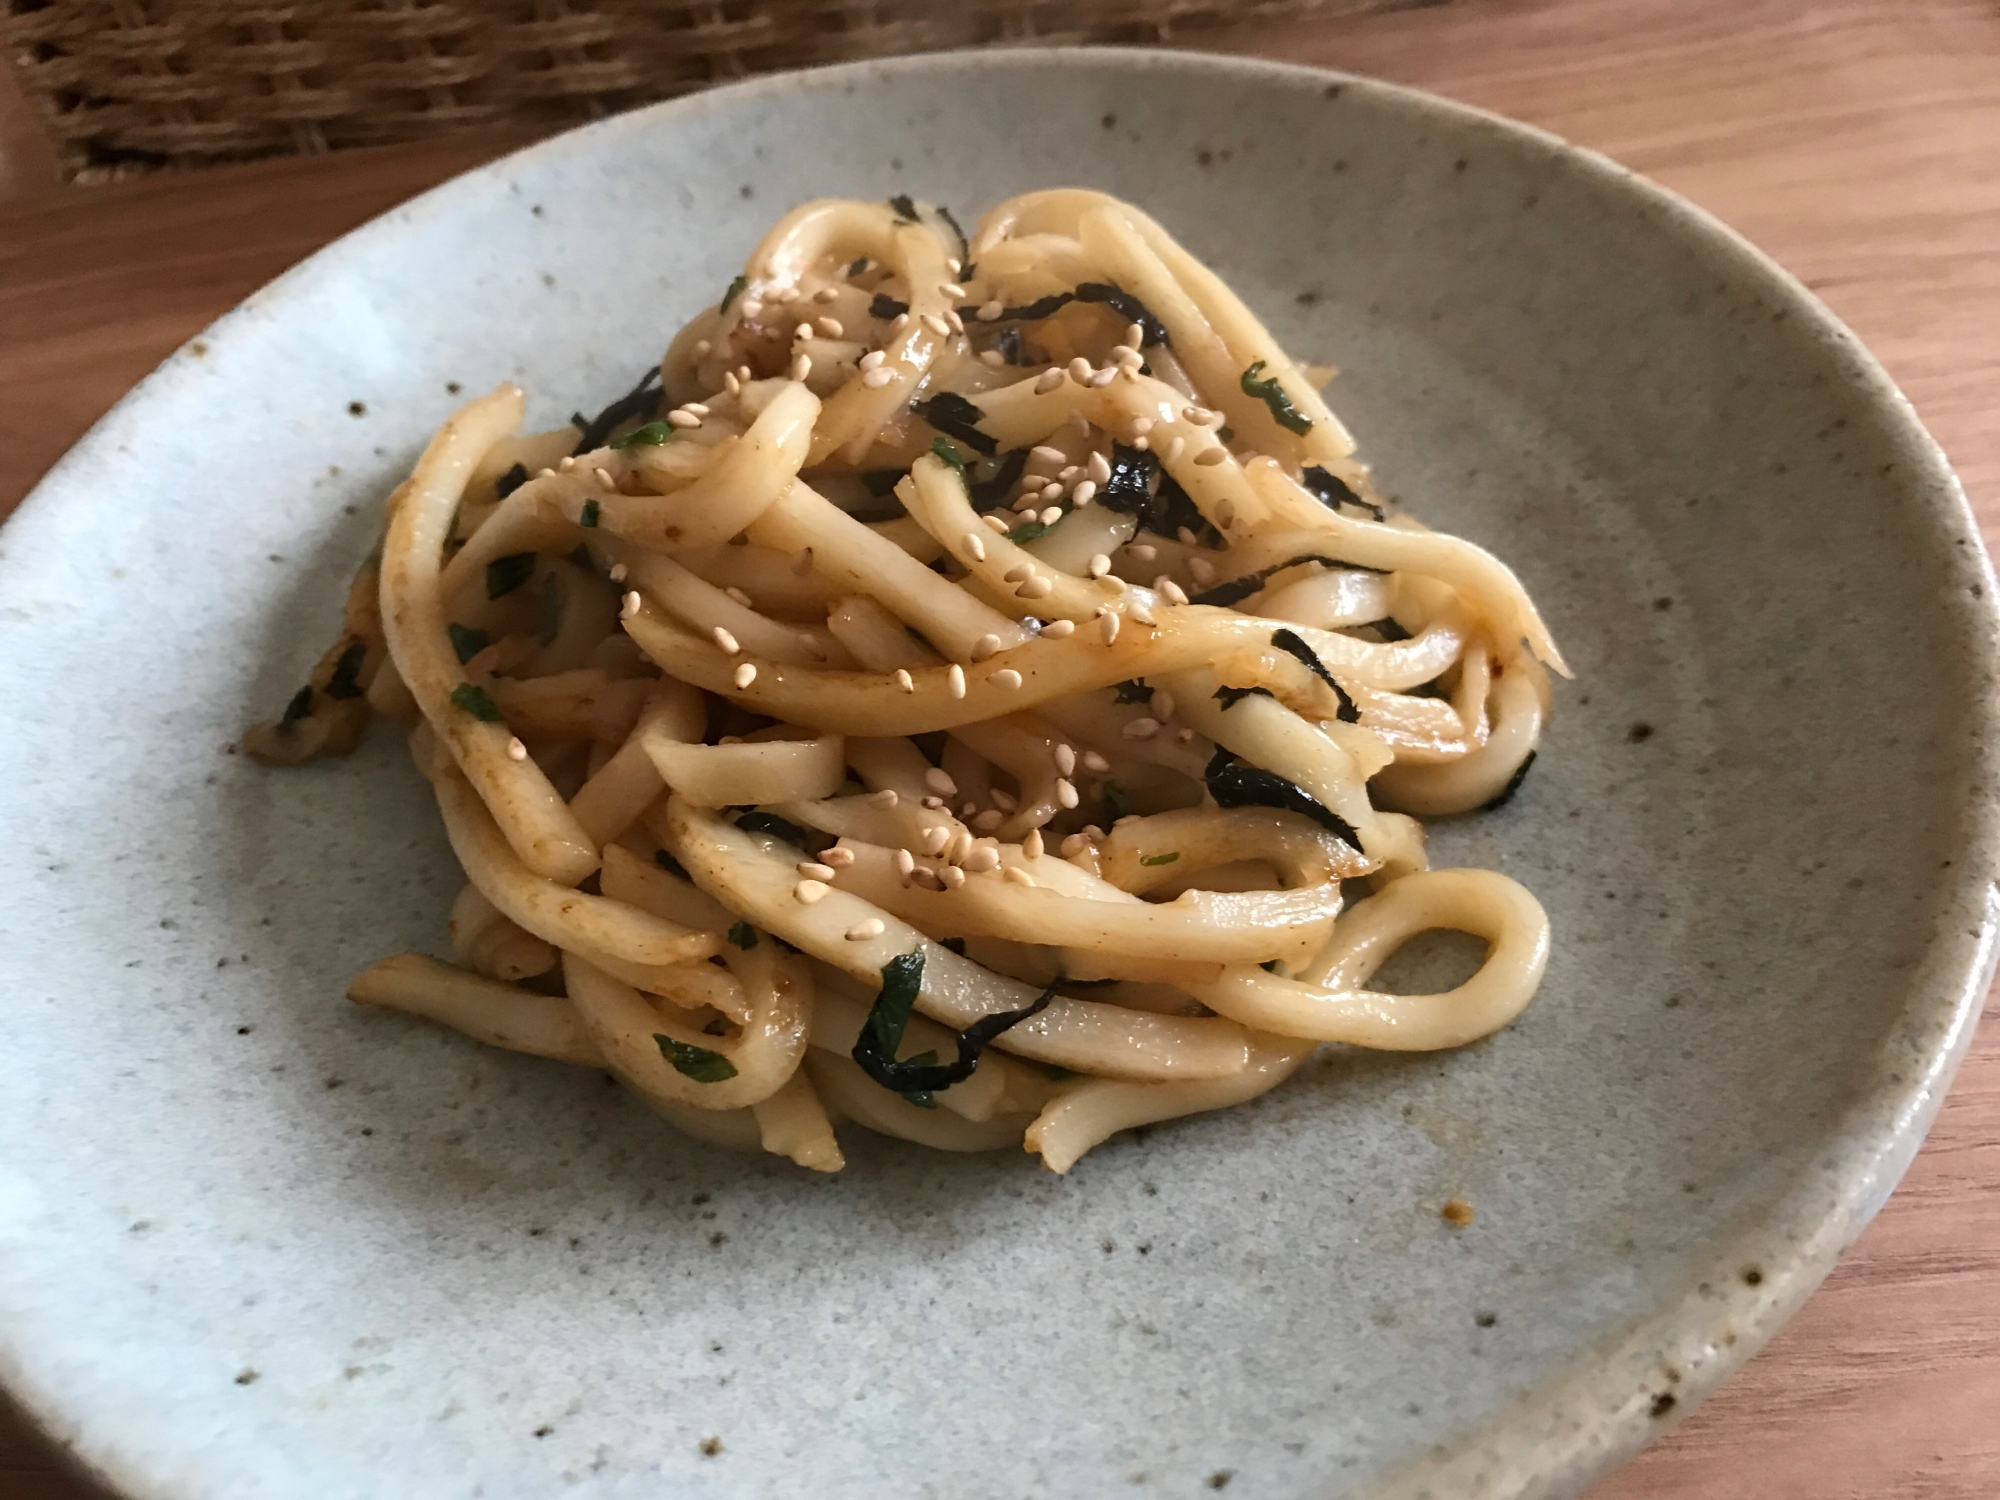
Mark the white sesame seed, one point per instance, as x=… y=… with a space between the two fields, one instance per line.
x=812 y=869
x=683 y=420
x=989 y=312
x=803 y=331
x=933 y=803
x=731 y=384
x=952 y=290
x=1036 y=588
x=1031 y=843
x=1167 y=589
x=1080 y=371
x=1142 y=614
x=872 y=358
x=1074 y=845
x=877 y=378
x=702 y=348
x=906 y=864
x=1208 y=458
x=1094 y=762
x=1184 y=736
x=630 y=605
x=725 y=641
x=1142 y=442
x=515 y=749
x=1019 y=876
x=604 y=478
x=884 y=798
x=1006 y=677
x=1003 y=800
x=955 y=680
x=953 y=321
x=1163 y=705
x=809 y=891
x=1186 y=536
x=989 y=820
x=1055 y=630
x=829 y=326
x=1141 y=729
x=1201 y=570
x=935 y=840
x=738 y=595
x=839 y=856
x=1070 y=473
x=994 y=523
x=936 y=325
x=1103 y=377
x=1016 y=573
x=905 y=681
x=545 y=473
x=618 y=572
x=567 y=463
x=1066 y=797
x=1084 y=493
x=1143 y=551
x=1123 y=352
x=992 y=358
x=974 y=544
x=1141 y=426
x=826 y=294
x=1026 y=502
x=978 y=861
x=939 y=781
x=1047 y=381
x=862 y=931
x=952 y=877
x=752 y=307
x=1098 y=566
x=986 y=645
x=901 y=320
x=1107 y=627
x=802 y=367
x=1066 y=759
x=1051 y=492
x=745 y=675
x=782 y=294
x=1050 y=516
x=1176 y=448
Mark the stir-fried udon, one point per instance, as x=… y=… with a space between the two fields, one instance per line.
x=968 y=688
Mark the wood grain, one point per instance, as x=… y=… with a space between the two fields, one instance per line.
x=1857 y=141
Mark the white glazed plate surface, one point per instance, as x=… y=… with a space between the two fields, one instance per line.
x=255 y=1242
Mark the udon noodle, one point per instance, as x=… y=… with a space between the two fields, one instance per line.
x=971 y=710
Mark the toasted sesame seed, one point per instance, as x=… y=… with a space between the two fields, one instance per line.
x=939 y=780
x=1104 y=377
x=952 y=290
x=803 y=331
x=515 y=749
x=1176 y=448
x=604 y=478
x=1066 y=797
x=992 y=358
x=905 y=681
x=1140 y=613
x=1019 y=876
x=1055 y=630
x=809 y=891
x=1142 y=442
x=1094 y=762
x=1201 y=570
x=1186 y=536
x=745 y=675
x=802 y=367
x=936 y=325
x=885 y=798
x=862 y=931
x=994 y=523
x=826 y=294
x=1065 y=759
x=566 y=463
x=975 y=544
x=1031 y=843
x=1098 y=566
x=1167 y=589
x=1080 y=371
x=1047 y=381
x=955 y=680
x=872 y=358
x=1037 y=587
x=738 y=595
x=630 y=605
x=829 y=326
x=1141 y=729
x=1141 y=426
x=753 y=307
x=952 y=877
x=1084 y=493
x=1050 y=516
x=618 y=572
x=731 y=384
x=1006 y=677
x=935 y=840
x=877 y=378
x=986 y=645
x=725 y=641
x=1107 y=627
x=906 y=864
x=839 y=856
x=684 y=420
x=812 y=869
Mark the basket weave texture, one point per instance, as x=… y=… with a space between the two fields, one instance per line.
x=127 y=85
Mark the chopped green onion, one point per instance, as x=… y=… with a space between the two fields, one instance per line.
x=652 y=434
x=735 y=291
x=1160 y=859
x=698 y=1063
x=1272 y=395
x=472 y=698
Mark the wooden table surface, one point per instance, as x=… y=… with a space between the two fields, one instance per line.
x=1856 y=140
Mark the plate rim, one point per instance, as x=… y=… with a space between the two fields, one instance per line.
x=1576 y=1425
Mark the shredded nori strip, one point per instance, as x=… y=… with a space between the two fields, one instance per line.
x=992 y=492
x=671 y=865
x=298 y=708
x=1293 y=645
x=951 y=413
x=346 y=679
x=1130 y=308
x=1333 y=492
x=735 y=290
x=879 y=482
x=589 y=516
x=1009 y=344
x=698 y=1063
x=472 y=698
x=743 y=935
x=466 y=640
x=777 y=827
x=964 y=245
x=1041 y=307
x=1134 y=690
x=953 y=945
x=1233 y=784
x=905 y=207
x=505 y=574
x=639 y=404
x=1130 y=485
x=1273 y=396
x=511 y=481
x=1389 y=630
x=859 y=265
x=1235 y=590
x=886 y=307
x=1506 y=793
x=1229 y=697
x=882 y=1033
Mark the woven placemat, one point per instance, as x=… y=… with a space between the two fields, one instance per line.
x=135 y=85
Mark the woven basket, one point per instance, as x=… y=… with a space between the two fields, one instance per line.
x=131 y=85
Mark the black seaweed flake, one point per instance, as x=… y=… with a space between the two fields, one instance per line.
x=735 y=290
x=472 y=698
x=590 y=514
x=951 y=413
x=467 y=641
x=639 y=404
x=1273 y=396
x=1133 y=690
x=1235 y=590
x=886 y=307
x=990 y=493
x=1041 y=307
x=964 y=245
x=1389 y=630
x=1130 y=485
x=1172 y=509
x=671 y=865
x=1229 y=697
x=1009 y=345
x=880 y=482
x=1293 y=645
x=882 y=1033
x=505 y=574
x=859 y=264
x=743 y=935
x=905 y=207
x=1130 y=308
x=698 y=1063
x=1333 y=492
x=953 y=945
x=298 y=708
x=777 y=827
x=345 y=681
x=1233 y=784
x=1506 y=793
x=511 y=481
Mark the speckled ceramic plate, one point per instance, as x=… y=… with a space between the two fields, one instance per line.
x=254 y=1242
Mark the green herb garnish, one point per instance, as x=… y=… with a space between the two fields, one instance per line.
x=1116 y=804
x=346 y=679
x=743 y=935
x=698 y=1063
x=505 y=574
x=948 y=451
x=735 y=291
x=1160 y=859
x=651 y=435
x=591 y=511
x=1027 y=531
x=1273 y=395
x=466 y=640
x=472 y=698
